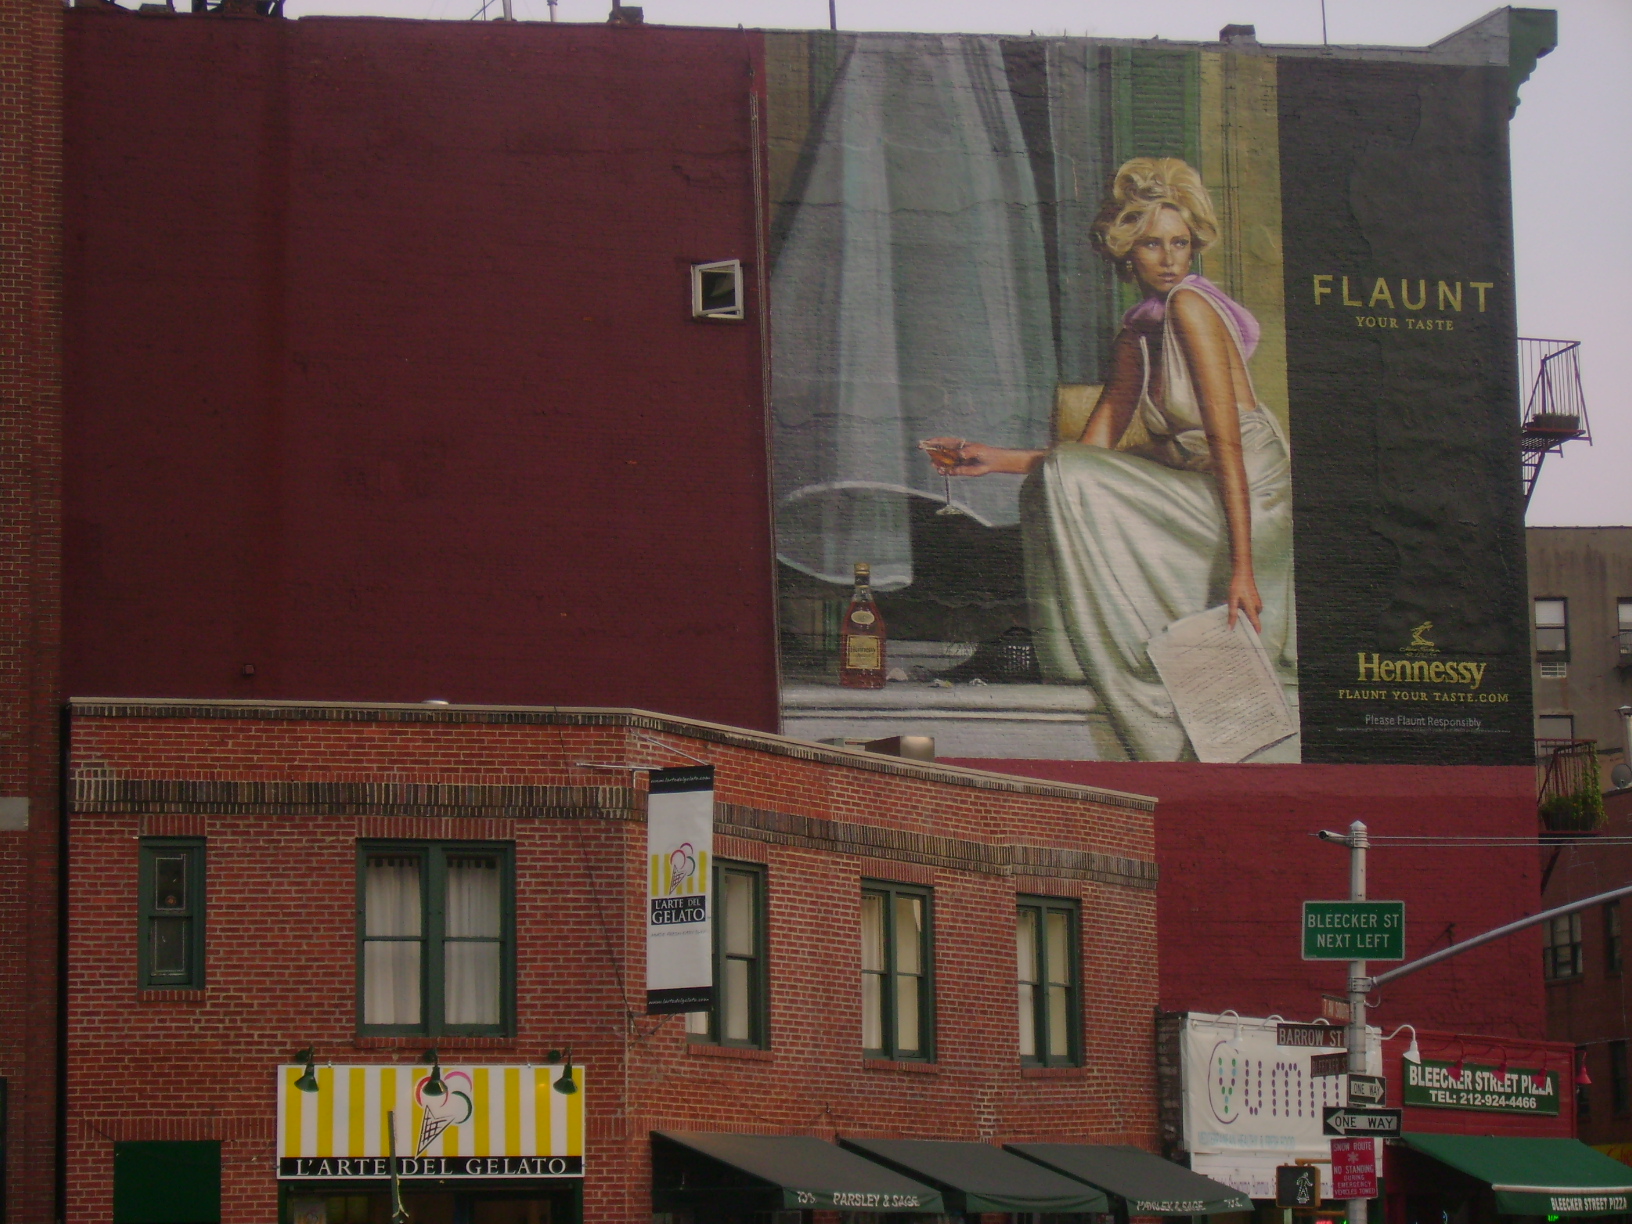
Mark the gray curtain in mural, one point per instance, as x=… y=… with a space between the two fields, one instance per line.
x=910 y=299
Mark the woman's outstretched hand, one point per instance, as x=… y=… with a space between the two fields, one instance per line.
x=956 y=457
x=1244 y=597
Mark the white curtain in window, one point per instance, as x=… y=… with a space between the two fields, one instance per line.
x=909 y=926
x=1025 y=949
x=872 y=973
x=391 y=907
x=1059 y=985
x=471 y=954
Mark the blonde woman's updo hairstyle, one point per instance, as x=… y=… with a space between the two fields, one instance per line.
x=1143 y=187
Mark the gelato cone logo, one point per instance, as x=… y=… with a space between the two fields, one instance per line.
x=1225 y=1077
x=448 y=1107
x=682 y=866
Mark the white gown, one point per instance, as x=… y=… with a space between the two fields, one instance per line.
x=1120 y=543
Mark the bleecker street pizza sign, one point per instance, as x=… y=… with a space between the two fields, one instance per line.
x=1437 y=1085
x=1354 y=930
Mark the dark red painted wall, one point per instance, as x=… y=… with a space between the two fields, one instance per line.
x=382 y=377
x=1237 y=860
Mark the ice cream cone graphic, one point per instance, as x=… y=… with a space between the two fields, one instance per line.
x=449 y=1107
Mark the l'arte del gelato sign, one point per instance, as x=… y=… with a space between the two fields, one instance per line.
x=493 y=1121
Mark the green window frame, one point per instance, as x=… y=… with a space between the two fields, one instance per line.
x=741 y=981
x=1048 y=960
x=170 y=909
x=897 y=972
x=436 y=942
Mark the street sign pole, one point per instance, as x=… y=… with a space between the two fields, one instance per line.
x=1357 y=984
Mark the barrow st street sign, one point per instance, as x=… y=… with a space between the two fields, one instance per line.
x=1311 y=1036
x=1354 y=930
x=1350 y=1120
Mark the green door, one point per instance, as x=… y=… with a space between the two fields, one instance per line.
x=162 y=1182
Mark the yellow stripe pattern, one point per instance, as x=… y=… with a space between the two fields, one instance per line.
x=662 y=877
x=504 y=1110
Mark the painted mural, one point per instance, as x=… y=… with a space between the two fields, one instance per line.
x=1031 y=374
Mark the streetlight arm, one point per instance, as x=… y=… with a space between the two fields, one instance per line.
x=1497 y=933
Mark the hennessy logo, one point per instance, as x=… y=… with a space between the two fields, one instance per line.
x=1420 y=643
x=1377 y=669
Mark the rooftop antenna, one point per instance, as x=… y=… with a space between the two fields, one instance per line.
x=833 y=14
x=1323 y=41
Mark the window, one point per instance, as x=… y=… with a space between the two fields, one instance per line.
x=1583 y=1097
x=716 y=290
x=897 y=992
x=1623 y=626
x=436 y=938
x=738 y=1015
x=1046 y=955
x=1555 y=726
x=1552 y=628
x=1561 y=953
x=1612 y=936
x=170 y=950
x=1618 y=1100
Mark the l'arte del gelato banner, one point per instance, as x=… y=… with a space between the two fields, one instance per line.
x=1145 y=403
x=502 y=1120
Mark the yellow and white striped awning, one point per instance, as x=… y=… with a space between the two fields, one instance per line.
x=491 y=1121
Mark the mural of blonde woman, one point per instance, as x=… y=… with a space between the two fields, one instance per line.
x=1176 y=497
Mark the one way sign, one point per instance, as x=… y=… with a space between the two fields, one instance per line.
x=1381 y=1123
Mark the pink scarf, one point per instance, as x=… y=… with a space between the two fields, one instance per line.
x=1148 y=314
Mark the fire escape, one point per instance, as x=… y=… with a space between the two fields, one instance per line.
x=1555 y=410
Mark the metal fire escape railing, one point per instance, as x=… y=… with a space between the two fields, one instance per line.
x=1555 y=410
x=1569 y=794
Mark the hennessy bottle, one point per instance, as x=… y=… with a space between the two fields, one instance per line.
x=861 y=638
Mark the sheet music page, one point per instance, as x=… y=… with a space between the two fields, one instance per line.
x=1223 y=686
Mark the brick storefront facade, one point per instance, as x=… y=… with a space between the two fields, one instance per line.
x=283 y=794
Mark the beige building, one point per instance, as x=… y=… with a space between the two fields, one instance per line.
x=1581 y=618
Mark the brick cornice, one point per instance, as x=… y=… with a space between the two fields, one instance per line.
x=94 y=792
x=582 y=716
x=960 y=854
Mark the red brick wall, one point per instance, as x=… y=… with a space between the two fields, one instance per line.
x=1593 y=1010
x=281 y=949
x=383 y=379
x=30 y=501
x=1237 y=858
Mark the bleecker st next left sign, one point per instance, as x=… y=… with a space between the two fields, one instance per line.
x=494 y=1121
x=1354 y=930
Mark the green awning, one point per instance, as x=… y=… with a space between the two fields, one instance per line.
x=980 y=1177
x=1560 y=1177
x=1148 y=1184
x=744 y=1173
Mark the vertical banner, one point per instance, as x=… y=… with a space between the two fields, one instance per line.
x=679 y=850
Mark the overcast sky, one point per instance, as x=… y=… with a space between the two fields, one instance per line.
x=1572 y=154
